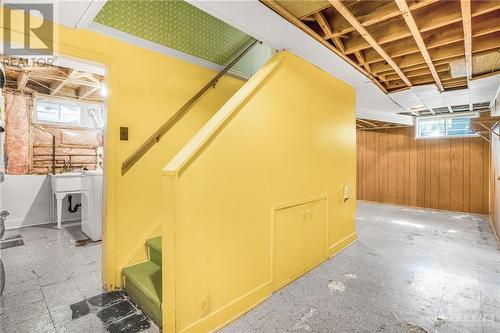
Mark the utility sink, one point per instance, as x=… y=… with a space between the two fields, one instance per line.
x=66 y=182
x=89 y=185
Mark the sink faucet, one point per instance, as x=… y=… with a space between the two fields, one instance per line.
x=65 y=166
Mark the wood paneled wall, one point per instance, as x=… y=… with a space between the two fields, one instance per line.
x=449 y=174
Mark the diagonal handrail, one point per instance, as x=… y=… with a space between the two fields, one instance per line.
x=174 y=119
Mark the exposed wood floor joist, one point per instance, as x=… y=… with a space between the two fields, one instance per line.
x=370 y=125
x=404 y=43
x=25 y=76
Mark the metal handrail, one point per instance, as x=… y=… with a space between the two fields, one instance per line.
x=174 y=119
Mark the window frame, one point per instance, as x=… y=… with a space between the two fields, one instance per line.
x=468 y=115
x=84 y=107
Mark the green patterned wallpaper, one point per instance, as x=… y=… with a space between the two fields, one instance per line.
x=181 y=26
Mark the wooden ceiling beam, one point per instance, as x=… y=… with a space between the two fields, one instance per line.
x=58 y=86
x=367 y=122
x=418 y=72
x=390 y=31
x=84 y=92
x=467 y=27
x=327 y=30
x=272 y=4
x=339 y=6
x=432 y=19
x=325 y=26
x=417 y=81
x=467 y=23
x=419 y=66
x=481 y=44
x=410 y=22
x=362 y=61
x=311 y=13
x=384 y=12
x=436 y=39
x=22 y=80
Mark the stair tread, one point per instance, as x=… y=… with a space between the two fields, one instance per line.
x=154 y=243
x=146 y=277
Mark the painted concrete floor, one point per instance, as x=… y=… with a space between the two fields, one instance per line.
x=438 y=270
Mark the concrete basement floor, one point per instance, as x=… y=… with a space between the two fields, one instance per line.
x=439 y=270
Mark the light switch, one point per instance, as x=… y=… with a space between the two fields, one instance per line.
x=124 y=133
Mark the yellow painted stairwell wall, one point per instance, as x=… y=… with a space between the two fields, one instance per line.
x=256 y=197
x=145 y=88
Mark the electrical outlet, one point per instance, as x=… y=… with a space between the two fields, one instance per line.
x=124 y=133
x=346 y=193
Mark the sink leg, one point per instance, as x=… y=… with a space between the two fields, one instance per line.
x=59 y=199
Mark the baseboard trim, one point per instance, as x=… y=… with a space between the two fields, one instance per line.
x=342 y=244
x=418 y=207
x=494 y=231
x=248 y=301
x=233 y=310
x=11 y=224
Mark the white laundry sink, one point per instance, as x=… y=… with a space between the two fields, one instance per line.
x=89 y=185
x=66 y=182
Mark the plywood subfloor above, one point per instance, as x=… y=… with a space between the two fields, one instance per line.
x=404 y=43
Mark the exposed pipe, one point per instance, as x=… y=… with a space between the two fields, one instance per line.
x=41 y=128
x=53 y=154
x=70 y=203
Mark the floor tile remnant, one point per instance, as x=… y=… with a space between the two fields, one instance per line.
x=132 y=324
x=116 y=311
x=302 y=323
x=79 y=309
x=336 y=286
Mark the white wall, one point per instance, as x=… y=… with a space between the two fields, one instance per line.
x=28 y=200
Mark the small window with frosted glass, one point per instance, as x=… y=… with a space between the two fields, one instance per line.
x=451 y=126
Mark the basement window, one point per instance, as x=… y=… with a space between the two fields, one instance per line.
x=61 y=112
x=449 y=126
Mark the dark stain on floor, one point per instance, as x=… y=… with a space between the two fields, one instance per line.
x=8 y=243
x=116 y=310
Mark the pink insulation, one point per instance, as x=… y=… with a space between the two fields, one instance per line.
x=90 y=138
x=41 y=137
x=17 y=134
x=75 y=148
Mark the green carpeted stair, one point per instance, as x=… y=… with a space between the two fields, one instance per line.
x=143 y=281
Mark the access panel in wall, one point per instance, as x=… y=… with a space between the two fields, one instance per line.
x=299 y=239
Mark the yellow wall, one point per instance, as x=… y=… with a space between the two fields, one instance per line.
x=145 y=88
x=287 y=137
